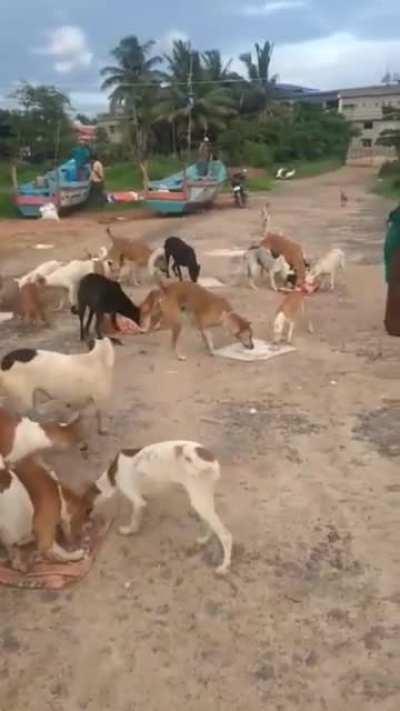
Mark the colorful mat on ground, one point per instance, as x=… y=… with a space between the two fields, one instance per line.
x=124 y=197
x=56 y=576
x=262 y=351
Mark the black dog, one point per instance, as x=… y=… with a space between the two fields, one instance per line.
x=183 y=255
x=102 y=296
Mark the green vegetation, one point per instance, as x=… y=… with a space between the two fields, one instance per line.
x=166 y=106
x=388 y=183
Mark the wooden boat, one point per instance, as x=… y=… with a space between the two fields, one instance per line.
x=66 y=186
x=187 y=191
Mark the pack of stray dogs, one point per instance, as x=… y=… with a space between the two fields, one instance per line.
x=34 y=505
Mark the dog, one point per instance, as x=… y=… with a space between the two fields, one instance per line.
x=135 y=472
x=258 y=259
x=279 y=245
x=206 y=309
x=343 y=199
x=286 y=316
x=327 y=266
x=77 y=379
x=136 y=252
x=182 y=255
x=33 y=505
x=102 y=296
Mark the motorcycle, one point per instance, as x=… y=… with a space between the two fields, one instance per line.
x=239 y=191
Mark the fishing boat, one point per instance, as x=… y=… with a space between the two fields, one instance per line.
x=186 y=191
x=66 y=186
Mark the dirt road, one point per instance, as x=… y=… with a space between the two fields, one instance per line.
x=309 y=618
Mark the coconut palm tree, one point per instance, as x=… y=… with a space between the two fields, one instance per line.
x=135 y=86
x=194 y=100
x=258 y=71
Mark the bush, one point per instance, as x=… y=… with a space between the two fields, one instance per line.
x=256 y=155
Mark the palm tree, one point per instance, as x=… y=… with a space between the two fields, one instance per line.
x=193 y=99
x=213 y=67
x=258 y=71
x=135 y=85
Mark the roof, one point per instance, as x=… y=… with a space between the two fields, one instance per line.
x=384 y=90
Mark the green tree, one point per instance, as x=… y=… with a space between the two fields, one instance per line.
x=258 y=72
x=135 y=90
x=391 y=136
x=42 y=121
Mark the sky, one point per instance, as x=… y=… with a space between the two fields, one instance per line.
x=326 y=44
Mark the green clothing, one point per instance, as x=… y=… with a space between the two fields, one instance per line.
x=392 y=242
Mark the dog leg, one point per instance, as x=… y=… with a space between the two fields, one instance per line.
x=208 y=340
x=100 y=426
x=58 y=553
x=138 y=507
x=272 y=280
x=202 y=500
x=176 y=329
x=290 y=332
x=310 y=327
x=332 y=280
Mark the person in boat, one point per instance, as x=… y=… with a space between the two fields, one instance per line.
x=204 y=156
x=97 y=194
x=392 y=273
x=81 y=156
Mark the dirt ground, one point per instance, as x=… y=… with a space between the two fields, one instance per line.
x=309 y=617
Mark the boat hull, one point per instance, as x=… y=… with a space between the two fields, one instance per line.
x=185 y=192
x=66 y=199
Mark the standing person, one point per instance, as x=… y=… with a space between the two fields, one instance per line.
x=204 y=155
x=97 y=182
x=392 y=273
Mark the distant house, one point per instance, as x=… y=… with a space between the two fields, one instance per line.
x=112 y=124
x=364 y=108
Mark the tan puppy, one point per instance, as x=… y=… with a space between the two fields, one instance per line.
x=291 y=307
x=205 y=308
x=137 y=252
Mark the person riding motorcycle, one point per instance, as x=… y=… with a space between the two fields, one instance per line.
x=238 y=181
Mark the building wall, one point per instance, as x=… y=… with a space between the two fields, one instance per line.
x=365 y=113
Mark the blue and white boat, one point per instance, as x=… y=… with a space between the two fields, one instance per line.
x=187 y=191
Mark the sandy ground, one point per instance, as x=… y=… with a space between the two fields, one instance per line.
x=309 y=617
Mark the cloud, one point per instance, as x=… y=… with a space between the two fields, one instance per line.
x=69 y=47
x=272 y=7
x=336 y=61
x=332 y=62
x=89 y=101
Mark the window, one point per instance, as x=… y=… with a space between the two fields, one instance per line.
x=366 y=143
x=368 y=124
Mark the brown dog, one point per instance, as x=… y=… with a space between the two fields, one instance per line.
x=137 y=252
x=293 y=253
x=207 y=311
x=33 y=504
x=26 y=301
x=290 y=309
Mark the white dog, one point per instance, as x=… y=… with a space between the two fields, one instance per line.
x=327 y=266
x=258 y=260
x=69 y=275
x=43 y=270
x=188 y=464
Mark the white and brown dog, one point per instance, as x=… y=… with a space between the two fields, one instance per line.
x=290 y=309
x=33 y=504
x=327 y=266
x=137 y=472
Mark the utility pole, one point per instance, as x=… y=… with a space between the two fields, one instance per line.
x=190 y=98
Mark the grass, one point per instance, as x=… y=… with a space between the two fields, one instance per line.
x=309 y=169
x=388 y=181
